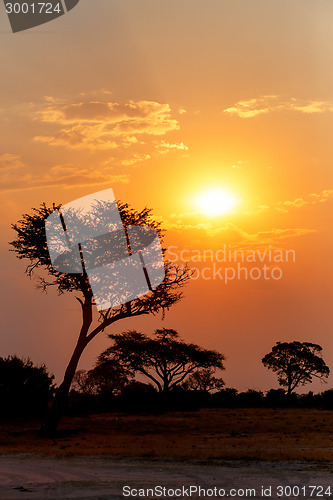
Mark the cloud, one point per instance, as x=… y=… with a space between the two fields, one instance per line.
x=135 y=160
x=238 y=165
x=166 y=147
x=9 y=161
x=300 y=202
x=251 y=108
x=106 y=112
x=99 y=124
x=276 y=234
x=11 y=169
x=62 y=176
x=90 y=137
x=310 y=199
x=130 y=141
x=231 y=233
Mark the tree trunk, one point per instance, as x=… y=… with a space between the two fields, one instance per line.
x=289 y=384
x=61 y=397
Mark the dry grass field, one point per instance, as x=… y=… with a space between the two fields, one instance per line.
x=252 y=434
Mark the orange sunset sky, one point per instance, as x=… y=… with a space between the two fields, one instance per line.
x=167 y=103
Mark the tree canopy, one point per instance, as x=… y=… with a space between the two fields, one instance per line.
x=204 y=380
x=296 y=363
x=164 y=358
x=107 y=377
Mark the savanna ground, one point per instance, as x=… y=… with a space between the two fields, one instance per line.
x=219 y=434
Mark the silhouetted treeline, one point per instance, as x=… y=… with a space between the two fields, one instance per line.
x=137 y=397
x=27 y=390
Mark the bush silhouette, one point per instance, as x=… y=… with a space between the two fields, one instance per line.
x=25 y=389
x=137 y=397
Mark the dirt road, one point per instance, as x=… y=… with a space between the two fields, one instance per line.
x=37 y=477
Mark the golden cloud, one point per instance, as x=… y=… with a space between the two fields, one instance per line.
x=103 y=112
x=81 y=137
x=233 y=234
x=62 y=176
x=166 y=147
x=310 y=199
x=99 y=124
x=269 y=103
x=137 y=158
x=9 y=161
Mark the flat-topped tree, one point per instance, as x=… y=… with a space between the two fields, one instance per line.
x=164 y=358
x=30 y=243
x=296 y=363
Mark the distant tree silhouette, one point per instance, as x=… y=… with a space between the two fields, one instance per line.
x=165 y=359
x=204 y=380
x=105 y=377
x=276 y=397
x=327 y=399
x=296 y=363
x=82 y=383
x=108 y=377
x=226 y=397
x=25 y=389
x=250 y=399
x=30 y=243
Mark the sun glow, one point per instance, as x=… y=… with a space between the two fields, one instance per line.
x=216 y=202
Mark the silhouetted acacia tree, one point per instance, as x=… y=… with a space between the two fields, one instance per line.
x=25 y=389
x=165 y=359
x=296 y=363
x=107 y=377
x=30 y=243
x=204 y=380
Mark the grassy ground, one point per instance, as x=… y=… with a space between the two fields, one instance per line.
x=258 y=434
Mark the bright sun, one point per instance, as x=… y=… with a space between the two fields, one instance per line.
x=216 y=202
